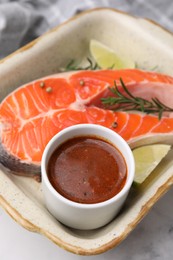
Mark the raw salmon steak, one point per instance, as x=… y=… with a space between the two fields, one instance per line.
x=32 y=114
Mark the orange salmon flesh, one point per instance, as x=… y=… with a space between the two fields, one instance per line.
x=32 y=114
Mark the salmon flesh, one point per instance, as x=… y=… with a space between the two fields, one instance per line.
x=32 y=114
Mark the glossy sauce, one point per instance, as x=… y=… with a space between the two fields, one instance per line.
x=87 y=170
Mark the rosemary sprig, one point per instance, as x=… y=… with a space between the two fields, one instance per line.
x=153 y=68
x=72 y=66
x=129 y=102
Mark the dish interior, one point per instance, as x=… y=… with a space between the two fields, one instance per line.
x=149 y=46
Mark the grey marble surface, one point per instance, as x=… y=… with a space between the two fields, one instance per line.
x=152 y=239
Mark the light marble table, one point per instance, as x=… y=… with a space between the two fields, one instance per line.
x=151 y=240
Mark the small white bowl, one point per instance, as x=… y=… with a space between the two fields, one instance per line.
x=78 y=215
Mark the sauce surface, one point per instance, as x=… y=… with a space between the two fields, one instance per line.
x=87 y=170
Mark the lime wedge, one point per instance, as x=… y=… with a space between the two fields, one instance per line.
x=147 y=158
x=107 y=58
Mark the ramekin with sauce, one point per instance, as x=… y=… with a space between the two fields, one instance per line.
x=87 y=171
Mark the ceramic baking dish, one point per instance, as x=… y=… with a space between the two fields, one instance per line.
x=149 y=46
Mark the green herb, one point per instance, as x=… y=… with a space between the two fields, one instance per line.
x=154 y=68
x=129 y=102
x=72 y=66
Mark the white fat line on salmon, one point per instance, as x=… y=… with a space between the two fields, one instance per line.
x=26 y=105
x=152 y=130
x=94 y=100
x=35 y=149
x=95 y=116
x=60 y=117
x=42 y=105
x=14 y=142
x=25 y=102
x=43 y=115
x=38 y=133
x=141 y=120
x=18 y=148
x=125 y=125
x=25 y=147
x=79 y=103
x=16 y=107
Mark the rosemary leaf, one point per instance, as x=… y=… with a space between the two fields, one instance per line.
x=127 y=102
x=72 y=66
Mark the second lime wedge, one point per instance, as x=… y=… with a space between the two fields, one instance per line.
x=147 y=158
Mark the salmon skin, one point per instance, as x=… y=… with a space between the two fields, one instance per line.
x=32 y=114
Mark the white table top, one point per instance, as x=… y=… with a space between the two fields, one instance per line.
x=152 y=239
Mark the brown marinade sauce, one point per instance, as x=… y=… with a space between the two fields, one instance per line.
x=87 y=170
